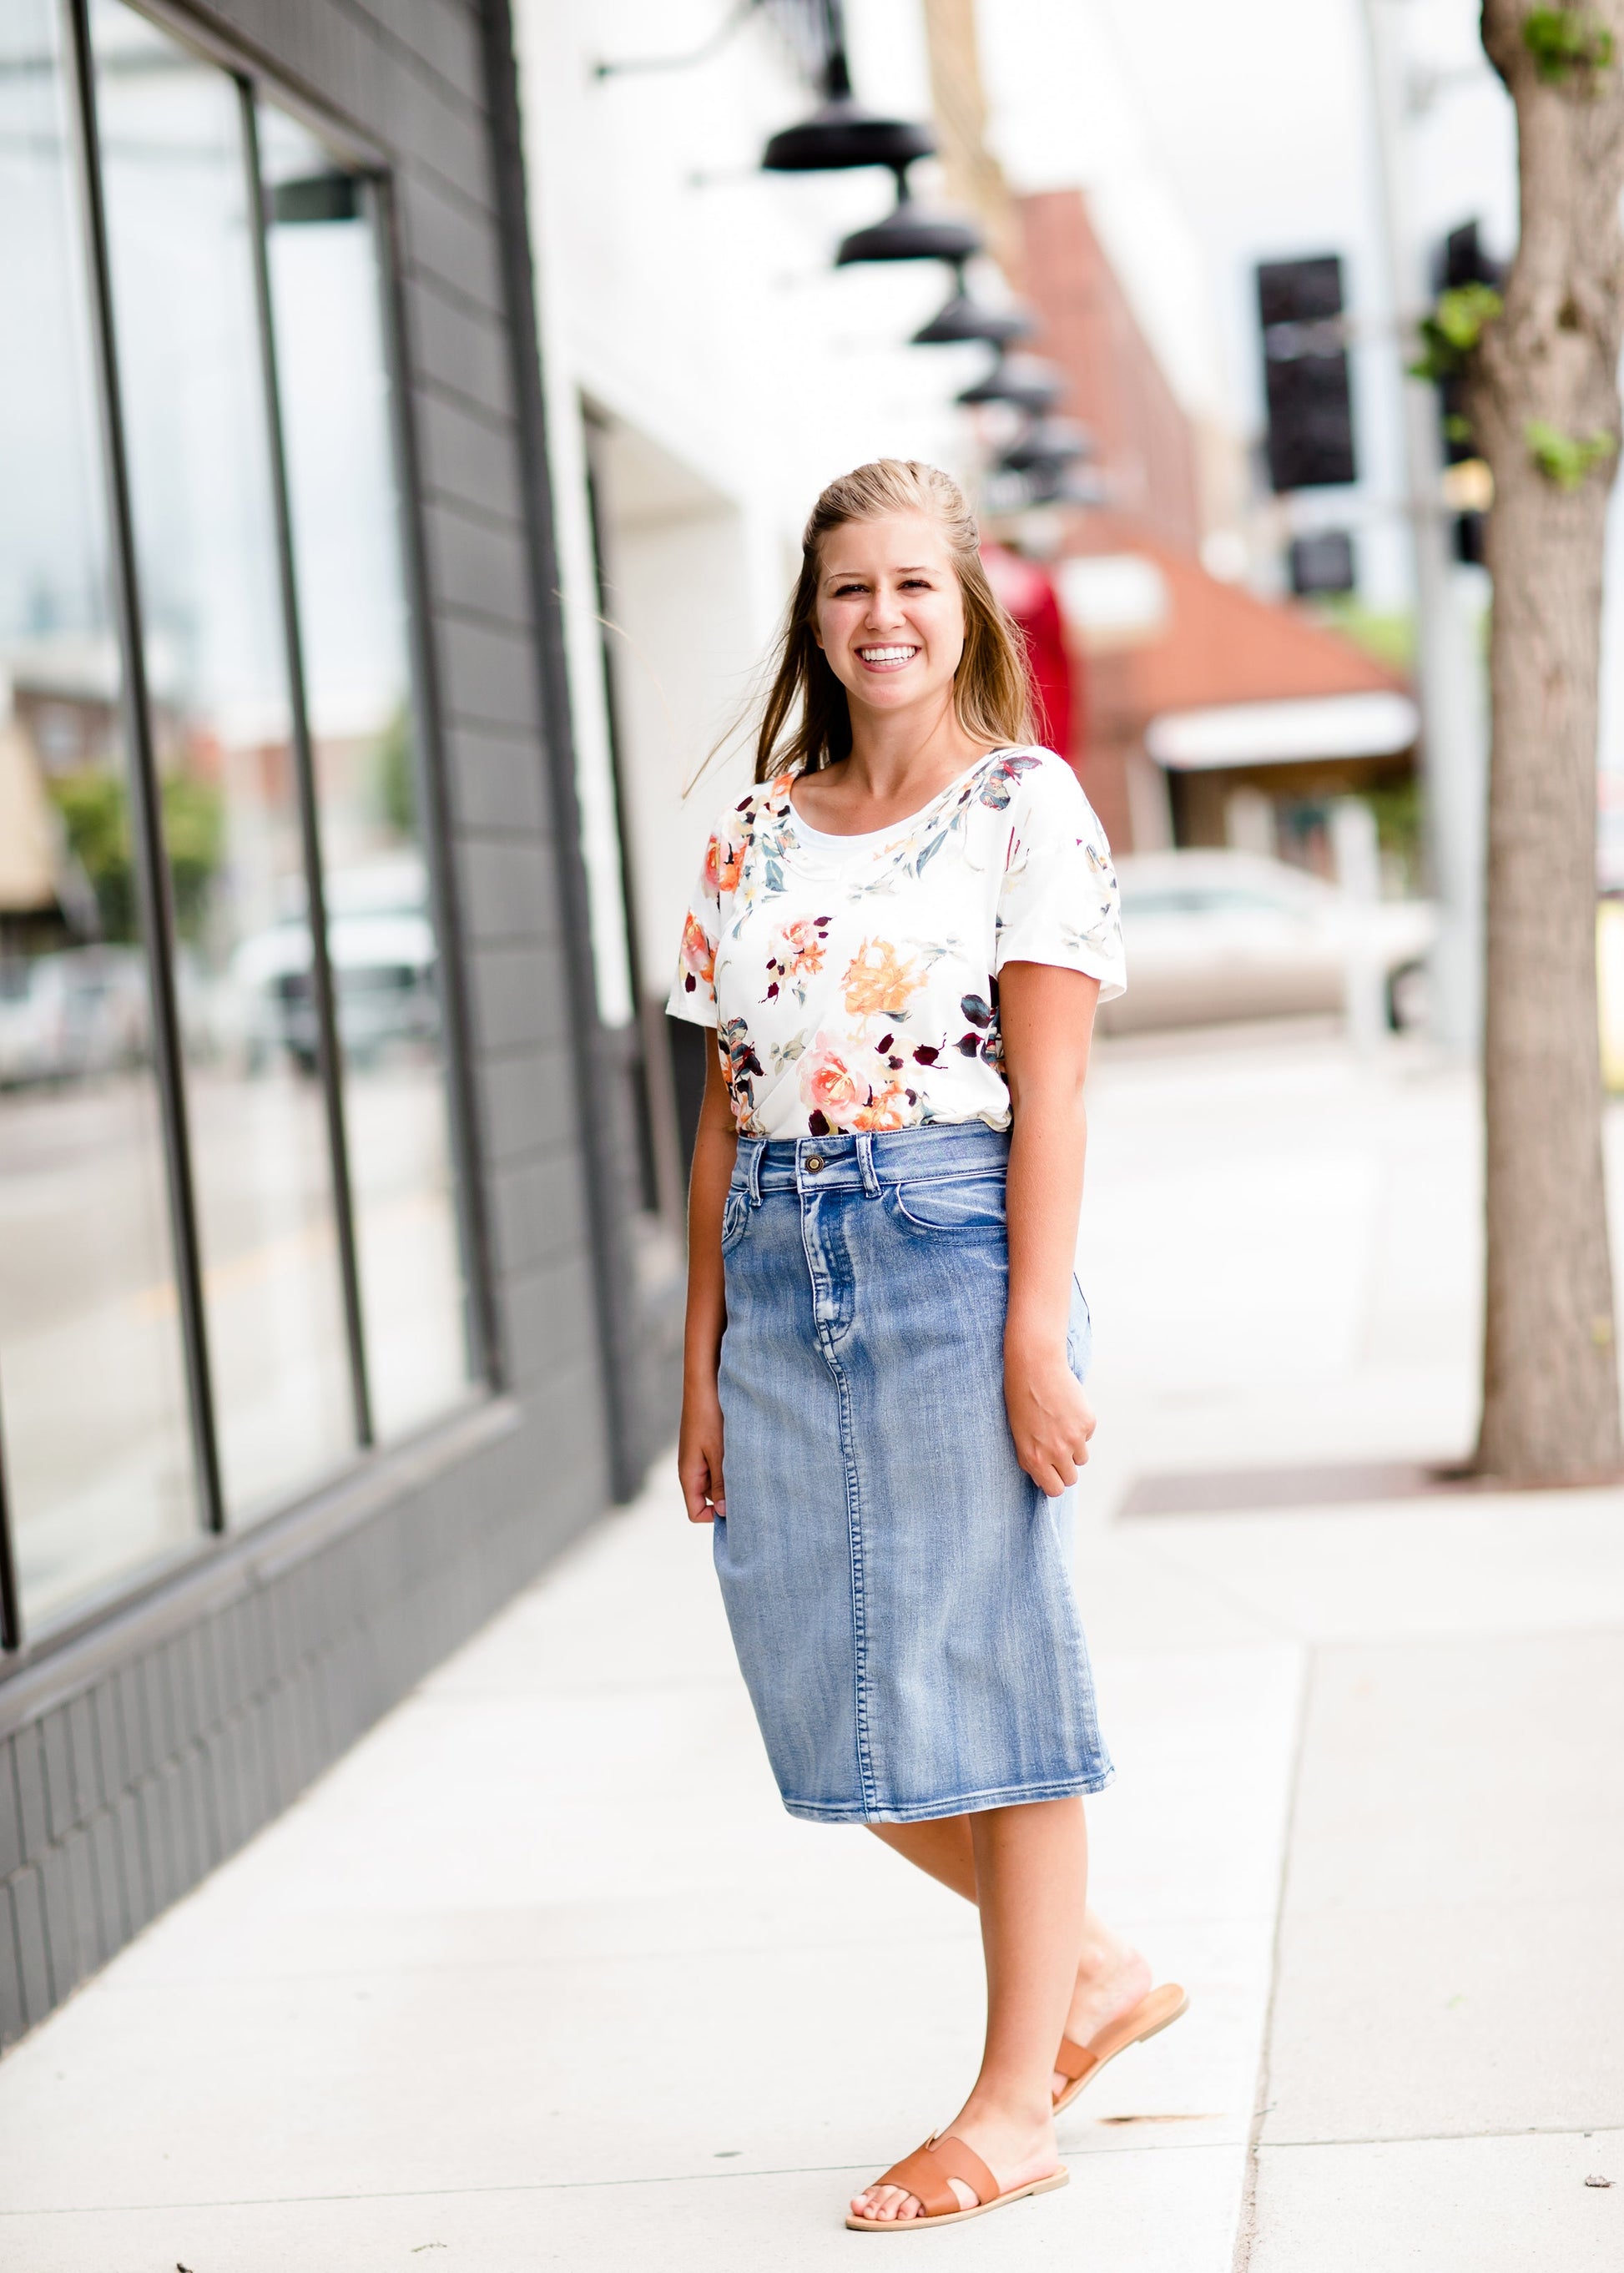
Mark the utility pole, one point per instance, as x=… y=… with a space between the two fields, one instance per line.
x=1450 y=681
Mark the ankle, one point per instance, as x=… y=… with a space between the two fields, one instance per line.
x=1010 y=2109
x=1103 y=1956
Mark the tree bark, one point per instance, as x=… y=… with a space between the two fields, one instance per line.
x=1549 y=362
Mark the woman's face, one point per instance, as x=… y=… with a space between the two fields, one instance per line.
x=889 y=613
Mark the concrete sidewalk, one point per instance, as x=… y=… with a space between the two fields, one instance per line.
x=595 y=2007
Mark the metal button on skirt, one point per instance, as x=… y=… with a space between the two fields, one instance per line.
x=899 y=1589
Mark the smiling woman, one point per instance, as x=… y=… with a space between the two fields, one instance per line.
x=900 y=936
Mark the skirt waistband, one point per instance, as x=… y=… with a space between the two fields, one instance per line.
x=870 y=1160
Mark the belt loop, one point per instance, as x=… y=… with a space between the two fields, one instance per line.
x=865 y=1156
x=752 y=1172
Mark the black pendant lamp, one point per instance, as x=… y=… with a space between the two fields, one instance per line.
x=840 y=133
x=1048 y=443
x=963 y=317
x=1027 y=381
x=908 y=233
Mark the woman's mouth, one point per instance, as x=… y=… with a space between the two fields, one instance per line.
x=885 y=658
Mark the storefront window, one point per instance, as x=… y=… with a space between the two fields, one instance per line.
x=229 y=1250
x=179 y=221
x=99 y=1470
x=328 y=311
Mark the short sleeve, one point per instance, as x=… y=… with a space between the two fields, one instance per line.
x=693 y=994
x=1058 y=901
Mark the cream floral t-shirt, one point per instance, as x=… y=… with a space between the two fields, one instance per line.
x=860 y=991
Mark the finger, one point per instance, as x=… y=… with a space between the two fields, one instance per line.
x=695 y=1493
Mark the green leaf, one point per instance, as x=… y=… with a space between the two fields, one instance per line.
x=1452 y=329
x=1566 y=458
x=1565 y=42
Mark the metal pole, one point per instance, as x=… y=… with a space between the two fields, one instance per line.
x=1453 y=769
x=151 y=863
x=329 y=1057
x=10 y=1608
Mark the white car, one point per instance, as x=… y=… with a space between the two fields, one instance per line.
x=381 y=939
x=76 y=1012
x=1213 y=935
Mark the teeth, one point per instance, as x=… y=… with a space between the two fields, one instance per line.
x=887 y=654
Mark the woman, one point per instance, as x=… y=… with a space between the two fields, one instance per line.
x=900 y=935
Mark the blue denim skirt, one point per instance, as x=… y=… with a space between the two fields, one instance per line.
x=899 y=1589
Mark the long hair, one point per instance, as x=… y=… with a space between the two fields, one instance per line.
x=807 y=720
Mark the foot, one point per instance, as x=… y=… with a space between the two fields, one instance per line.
x=1111 y=1978
x=1015 y=2149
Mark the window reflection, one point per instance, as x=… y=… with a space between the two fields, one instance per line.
x=327 y=312
x=96 y=1439
x=179 y=222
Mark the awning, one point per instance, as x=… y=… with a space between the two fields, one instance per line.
x=1368 y=725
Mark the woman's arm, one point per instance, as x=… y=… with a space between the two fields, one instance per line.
x=1047 y=1016
x=699 y=1444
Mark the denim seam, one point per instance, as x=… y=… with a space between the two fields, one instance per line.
x=854 y=1533
x=963 y=1803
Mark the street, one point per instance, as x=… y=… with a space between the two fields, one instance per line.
x=539 y=1974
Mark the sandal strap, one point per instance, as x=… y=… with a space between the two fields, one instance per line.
x=1074 y=2060
x=926 y=2171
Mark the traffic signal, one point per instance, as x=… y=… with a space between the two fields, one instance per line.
x=1322 y=562
x=1305 y=374
x=1459 y=262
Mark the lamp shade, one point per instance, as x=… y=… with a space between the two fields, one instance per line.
x=840 y=133
x=1028 y=381
x=963 y=319
x=908 y=234
x=1047 y=442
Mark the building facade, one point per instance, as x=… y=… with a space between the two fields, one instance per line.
x=320 y=1314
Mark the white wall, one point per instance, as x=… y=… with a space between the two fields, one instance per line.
x=690 y=297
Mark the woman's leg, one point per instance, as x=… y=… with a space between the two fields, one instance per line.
x=1110 y=1973
x=1031 y=1871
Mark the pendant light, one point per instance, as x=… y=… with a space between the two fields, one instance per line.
x=909 y=232
x=1027 y=381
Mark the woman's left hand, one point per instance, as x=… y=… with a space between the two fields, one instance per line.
x=1050 y=1420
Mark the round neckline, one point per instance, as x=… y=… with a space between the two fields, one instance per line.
x=810 y=841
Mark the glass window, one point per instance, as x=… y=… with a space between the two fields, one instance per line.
x=96 y=1437
x=179 y=217
x=327 y=315
x=280 y=743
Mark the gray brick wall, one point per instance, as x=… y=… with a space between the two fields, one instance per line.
x=135 y=1758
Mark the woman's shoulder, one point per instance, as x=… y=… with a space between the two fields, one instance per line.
x=1037 y=783
x=739 y=820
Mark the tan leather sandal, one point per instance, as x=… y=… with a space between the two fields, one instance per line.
x=925 y=2174
x=1079 y=2064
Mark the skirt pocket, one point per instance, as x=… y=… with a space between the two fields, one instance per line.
x=966 y=1206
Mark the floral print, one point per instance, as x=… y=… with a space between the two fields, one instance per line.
x=862 y=993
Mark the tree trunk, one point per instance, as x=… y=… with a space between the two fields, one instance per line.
x=1545 y=407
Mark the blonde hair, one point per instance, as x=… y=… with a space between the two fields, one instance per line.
x=992 y=686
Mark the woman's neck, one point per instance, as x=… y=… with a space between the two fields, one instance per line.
x=896 y=755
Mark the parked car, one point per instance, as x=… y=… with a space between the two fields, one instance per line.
x=381 y=944
x=79 y=1011
x=1213 y=935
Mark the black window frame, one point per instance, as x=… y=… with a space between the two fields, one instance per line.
x=374 y=169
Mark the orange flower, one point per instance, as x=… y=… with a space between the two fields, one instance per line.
x=878 y=983
x=887 y=1108
x=828 y=1086
x=698 y=952
x=721 y=866
x=802 y=949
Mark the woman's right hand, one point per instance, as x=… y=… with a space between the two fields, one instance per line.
x=699 y=1455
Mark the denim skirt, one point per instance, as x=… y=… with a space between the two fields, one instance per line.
x=899 y=1589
